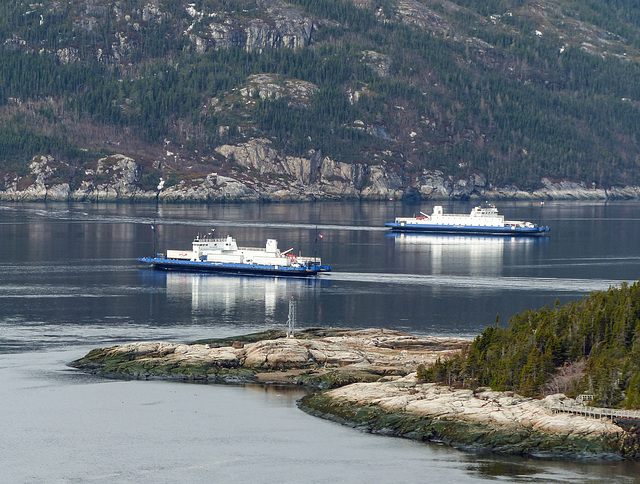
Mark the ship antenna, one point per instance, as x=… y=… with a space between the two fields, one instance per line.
x=291 y=320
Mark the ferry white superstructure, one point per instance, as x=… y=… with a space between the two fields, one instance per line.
x=210 y=254
x=483 y=219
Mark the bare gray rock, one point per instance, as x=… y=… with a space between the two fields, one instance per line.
x=281 y=25
x=255 y=170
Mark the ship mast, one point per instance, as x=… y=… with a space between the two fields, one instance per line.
x=154 y=227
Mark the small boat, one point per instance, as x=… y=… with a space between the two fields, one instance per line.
x=222 y=255
x=483 y=220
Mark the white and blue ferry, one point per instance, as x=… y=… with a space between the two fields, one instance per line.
x=222 y=255
x=483 y=220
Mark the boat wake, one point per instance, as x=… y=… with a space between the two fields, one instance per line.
x=481 y=282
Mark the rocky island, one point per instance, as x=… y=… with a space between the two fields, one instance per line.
x=368 y=379
x=317 y=358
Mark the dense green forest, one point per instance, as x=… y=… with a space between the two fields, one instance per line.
x=492 y=87
x=588 y=346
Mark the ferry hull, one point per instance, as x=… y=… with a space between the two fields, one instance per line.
x=469 y=230
x=233 y=268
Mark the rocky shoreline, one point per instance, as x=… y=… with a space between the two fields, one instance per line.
x=480 y=421
x=367 y=379
x=281 y=179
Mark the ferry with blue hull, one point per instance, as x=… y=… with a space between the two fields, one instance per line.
x=222 y=255
x=483 y=220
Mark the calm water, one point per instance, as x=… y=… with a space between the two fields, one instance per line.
x=69 y=281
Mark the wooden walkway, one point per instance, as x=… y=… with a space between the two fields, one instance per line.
x=597 y=412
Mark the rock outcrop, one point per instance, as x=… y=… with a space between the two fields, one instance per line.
x=272 y=86
x=281 y=25
x=325 y=356
x=260 y=172
x=502 y=422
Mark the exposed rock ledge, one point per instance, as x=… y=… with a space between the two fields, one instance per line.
x=369 y=382
x=501 y=422
x=319 y=358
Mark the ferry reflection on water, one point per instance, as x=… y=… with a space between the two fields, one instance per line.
x=471 y=254
x=221 y=293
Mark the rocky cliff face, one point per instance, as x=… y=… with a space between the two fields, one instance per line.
x=281 y=26
x=260 y=172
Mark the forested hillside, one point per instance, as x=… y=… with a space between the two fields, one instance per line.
x=590 y=346
x=514 y=90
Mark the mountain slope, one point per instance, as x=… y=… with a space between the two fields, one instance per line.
x=370 y=98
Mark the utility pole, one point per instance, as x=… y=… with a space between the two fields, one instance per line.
x=291 y=321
